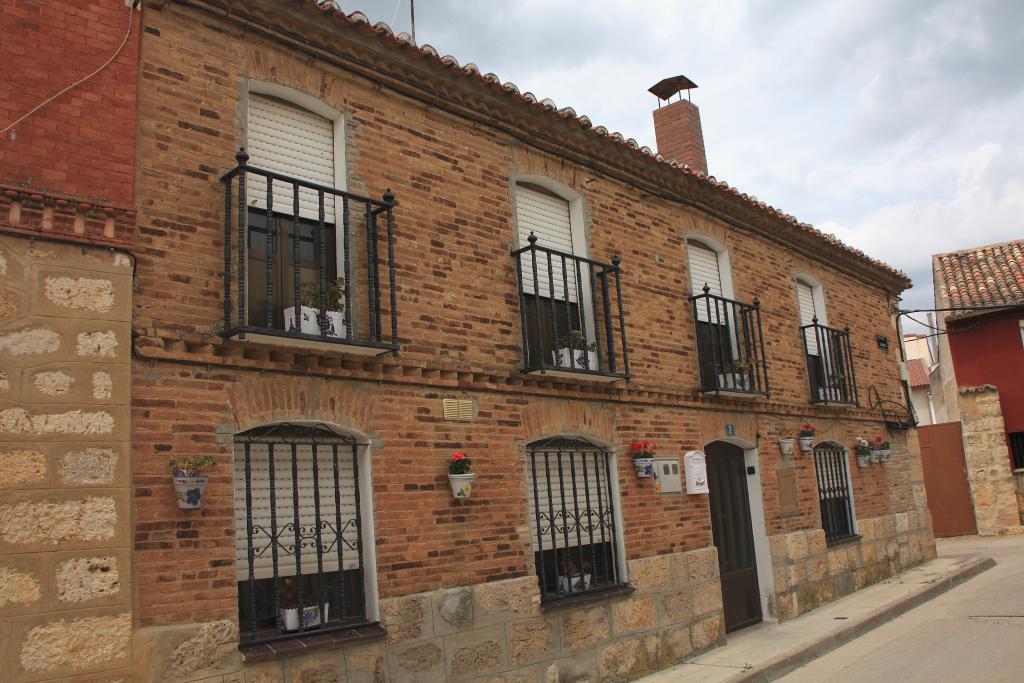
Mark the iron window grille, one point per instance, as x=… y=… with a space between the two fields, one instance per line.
x=730 y=345
x=834 y=492
x=295 y=242
x=298 y=532
x=1016 y=441
x=570 y=311
x=829 y=364
x=572 y=517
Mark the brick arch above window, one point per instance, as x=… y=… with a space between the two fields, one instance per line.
x=546 y=418
x=259 y=402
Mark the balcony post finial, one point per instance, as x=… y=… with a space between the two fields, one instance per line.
x=241 y=156
x=532 y=239
x=706 y=288
x=389 y=196
x=616 y=260
x=814 y=320
x=757 y=302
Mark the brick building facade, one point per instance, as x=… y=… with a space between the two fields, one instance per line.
x=446 y=168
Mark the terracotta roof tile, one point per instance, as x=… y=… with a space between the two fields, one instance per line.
x=404 y=40
x=917 y=373
x=982 y=276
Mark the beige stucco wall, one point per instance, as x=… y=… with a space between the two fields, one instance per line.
x=65 y=532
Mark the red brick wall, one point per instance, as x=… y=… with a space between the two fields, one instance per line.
x=81 y=144
x=459 y=317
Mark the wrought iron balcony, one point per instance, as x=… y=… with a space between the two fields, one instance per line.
x=829 y=364
x=570 y=311
x=730 y=345
x=304 y=264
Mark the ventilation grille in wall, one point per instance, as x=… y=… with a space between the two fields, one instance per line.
x=458 y=409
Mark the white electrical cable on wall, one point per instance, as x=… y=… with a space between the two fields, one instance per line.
x=131 y=12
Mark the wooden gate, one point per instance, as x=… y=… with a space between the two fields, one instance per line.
x=945 y=479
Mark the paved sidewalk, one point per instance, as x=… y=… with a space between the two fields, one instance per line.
x=770 y=650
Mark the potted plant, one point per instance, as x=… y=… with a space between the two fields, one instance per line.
x=643 y=453
x=806 y=437
x=309 y=297
x=786 y=445
x=736 y=374
x=883 y=449
x=584 y=354
x=863 y=450
x=834 y=390
x=314 y=612
x=189 y=482
x=459 y=477
x=572 y=580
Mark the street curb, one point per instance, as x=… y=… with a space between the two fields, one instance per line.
x=780 y=666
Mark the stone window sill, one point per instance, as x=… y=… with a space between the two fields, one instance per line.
x=844 y=541
x=586 y=598
x=310 y=642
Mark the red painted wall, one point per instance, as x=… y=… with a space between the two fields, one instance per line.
x=992 y=353
x=83 y=143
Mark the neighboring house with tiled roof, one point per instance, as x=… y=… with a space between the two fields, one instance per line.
x=984 y=344
x=918 y=372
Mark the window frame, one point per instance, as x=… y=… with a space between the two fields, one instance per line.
x=841 y=456
x=367 y=613
x=613 y=563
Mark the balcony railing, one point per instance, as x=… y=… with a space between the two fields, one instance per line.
x=570 y=311
x=730 y=345
x=306 y=263
x=829 y=364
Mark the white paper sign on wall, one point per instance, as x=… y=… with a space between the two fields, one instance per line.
x=696 y=470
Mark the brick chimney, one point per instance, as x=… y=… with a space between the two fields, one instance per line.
x=677 y=124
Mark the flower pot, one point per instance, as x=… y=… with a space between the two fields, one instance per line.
x=310 y=616
x=806 y=443
x=573 y=584
x=863 y=460
x=644 y=467
x=875 y=457
x=886 y=454
x=189 y=491
x=733 y=381
x=585 y=360
x=833 y=394
x=309 y=324
x=462 y=484
x=786 y=446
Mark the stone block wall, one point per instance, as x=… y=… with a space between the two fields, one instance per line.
x=809 y=573
x=990 y=475
x=494 y=631
x=65 y=516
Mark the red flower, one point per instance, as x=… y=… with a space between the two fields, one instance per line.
x=634 y=445
x=646 y=444
x=878 y=440
x=458 y=455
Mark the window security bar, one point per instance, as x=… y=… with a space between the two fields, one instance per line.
x=829 y=364
x=298 y=539
x=834 y=493
x=293 y=270
x=730 y=345
x=570 y=310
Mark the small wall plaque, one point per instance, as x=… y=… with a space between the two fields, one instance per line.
x=883 y=341
x=730 y=430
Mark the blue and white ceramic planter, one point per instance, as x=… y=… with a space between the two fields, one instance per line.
x=644 y=467
x=189 y=491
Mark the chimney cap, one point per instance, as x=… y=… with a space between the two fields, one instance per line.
x=667 y=87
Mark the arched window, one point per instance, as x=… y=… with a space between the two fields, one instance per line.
x=558 y=288
x=571 y=488
x=835 y=494
x=299 y=503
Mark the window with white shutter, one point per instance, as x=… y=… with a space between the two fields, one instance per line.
x=298 y=530
x=546 y=215
x=572 y=523
x=808 y=314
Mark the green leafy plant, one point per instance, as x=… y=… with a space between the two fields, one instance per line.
x=863 y=448
x=807 y=431
x=191 y=467
x=459 y=464
x=309 y=294
x=576 y=341
x=643 y=449
x=880 y=445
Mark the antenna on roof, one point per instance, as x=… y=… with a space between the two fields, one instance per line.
x=412 y=12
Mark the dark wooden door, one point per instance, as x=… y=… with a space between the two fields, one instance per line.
x=733 y=535
x=945 y=480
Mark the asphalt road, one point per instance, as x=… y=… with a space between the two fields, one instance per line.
x=973 y=633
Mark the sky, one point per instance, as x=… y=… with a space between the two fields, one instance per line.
x=896 y=125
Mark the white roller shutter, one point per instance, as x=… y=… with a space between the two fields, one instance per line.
x=704 y=270
x=293 y=141
x=594 y=484
x=285 y=511
x=808 y=312
x=547 y=216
